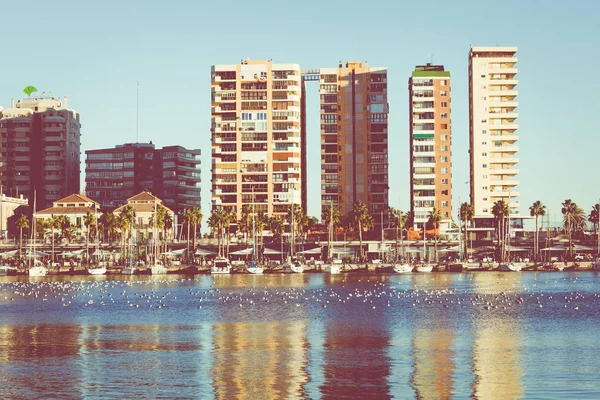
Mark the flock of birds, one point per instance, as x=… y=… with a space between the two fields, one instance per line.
x=361 y=294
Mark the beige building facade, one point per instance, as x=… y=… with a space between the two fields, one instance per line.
x=256 y=136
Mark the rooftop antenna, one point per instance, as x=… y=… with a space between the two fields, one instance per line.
x=137 y=113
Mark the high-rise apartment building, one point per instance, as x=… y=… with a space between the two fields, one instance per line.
x=493 y=128
x=430 y=144
x=40 y=149
x=354 y=138
x=113 y=175
x=256 y=136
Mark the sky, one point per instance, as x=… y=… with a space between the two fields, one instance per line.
x=96 y=52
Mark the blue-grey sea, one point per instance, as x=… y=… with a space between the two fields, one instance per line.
x=483 y=335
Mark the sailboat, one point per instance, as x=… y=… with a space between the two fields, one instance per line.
x=596 y=264
x=156 y=268
x=130 y=269
x=254 y=267
x=99 y=267
x=424 y=266
x=333 y=266
x=38 y=268
x=293 y=265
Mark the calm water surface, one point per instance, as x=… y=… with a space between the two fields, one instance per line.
x=482 y=335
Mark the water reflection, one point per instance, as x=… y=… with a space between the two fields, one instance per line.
x=432 y=352
x=497 y=368
x=265 y=360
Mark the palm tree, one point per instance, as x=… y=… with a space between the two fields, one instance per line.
x=276 y=225
x=594 y=217
x=196 y=219
x=229 y=217
x=167 y=228
x=465 y=214
x=54 y=222
x=245 y=222
x=22 y=223
x=89 y=220
x=398 y=221
x=435 y=217
x=332 y=216
x=573 y=218
x=361 y=217
x=125 y=225
x=216 y=222
x=537 y=210
x=260 y=224
x=500 y=212
x=187 y=220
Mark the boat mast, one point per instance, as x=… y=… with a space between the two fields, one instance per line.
x=330 y=231
x=293 y=237
x=253 y=228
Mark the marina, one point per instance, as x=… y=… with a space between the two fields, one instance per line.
x=464 y=335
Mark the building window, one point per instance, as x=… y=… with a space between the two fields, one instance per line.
x=444 y=181
x=444 y=159
x=444 y=137
x=484 y=143
x=484 y=165
x=484 y=154
x=444 y=115
x=444 y=148
x=444 y=203
x=483 y=76
x=444 y=104
x=485 y=188
x=484 y=131
x=485 y=210
x=443 y=93
x=444 y=170
x=485 y=177
x=444 y=126
x=485 y=199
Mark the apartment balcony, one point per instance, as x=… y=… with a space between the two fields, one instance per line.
x=504 y=115
x=504 y=149
x=505 y=138
x=424 y=187
x=416 y=99
x=509 y=126
x=419 y=176
x=293 y=88
x=503 y=93
x=504 y=171
x=508 y=70
x=505 y=194
x=506 y=182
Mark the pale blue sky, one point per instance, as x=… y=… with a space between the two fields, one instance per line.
x=94 y=54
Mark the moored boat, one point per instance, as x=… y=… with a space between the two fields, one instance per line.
x=97 y=270
x=335 y=267
x=221 y=265
x=158 y=269
x=403 y=268
x=7 y=270
x=424 y=268
x=509 y=267
x=129 y=270
x=254 y=268
x=38 y=269
x=294 y=266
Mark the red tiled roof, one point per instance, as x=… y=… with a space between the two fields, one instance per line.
x=65 y=210
x=143 y=196
x=74 y=198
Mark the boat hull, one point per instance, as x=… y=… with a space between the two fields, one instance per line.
x=424 y=268
x=333 y=269
x=128 y=271
x=509 y=267
x=403 y=268
x=158 y=270
x=38 y=271
x=220 y=270
x=6 y=270
x=97 y=271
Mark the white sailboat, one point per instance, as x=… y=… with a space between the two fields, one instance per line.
x=254 y=267
x=400 y=266
x=332 y=266
x=97 y=270
x=293 y=265
x=157 y=267
x=38 y=268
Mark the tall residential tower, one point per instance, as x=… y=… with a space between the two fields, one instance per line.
x=354 y=138
x=256 y=136
x=493 y=128
x=430 y=144
x=40 y=149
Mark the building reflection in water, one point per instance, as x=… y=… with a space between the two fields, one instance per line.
x=432 y=349
x=356 y=363
x=497 y=368
x=259 y=360
x=52 y=347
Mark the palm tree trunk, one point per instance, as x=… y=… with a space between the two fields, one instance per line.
x=360 y=239
x=188 y=238
x=536 y=238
